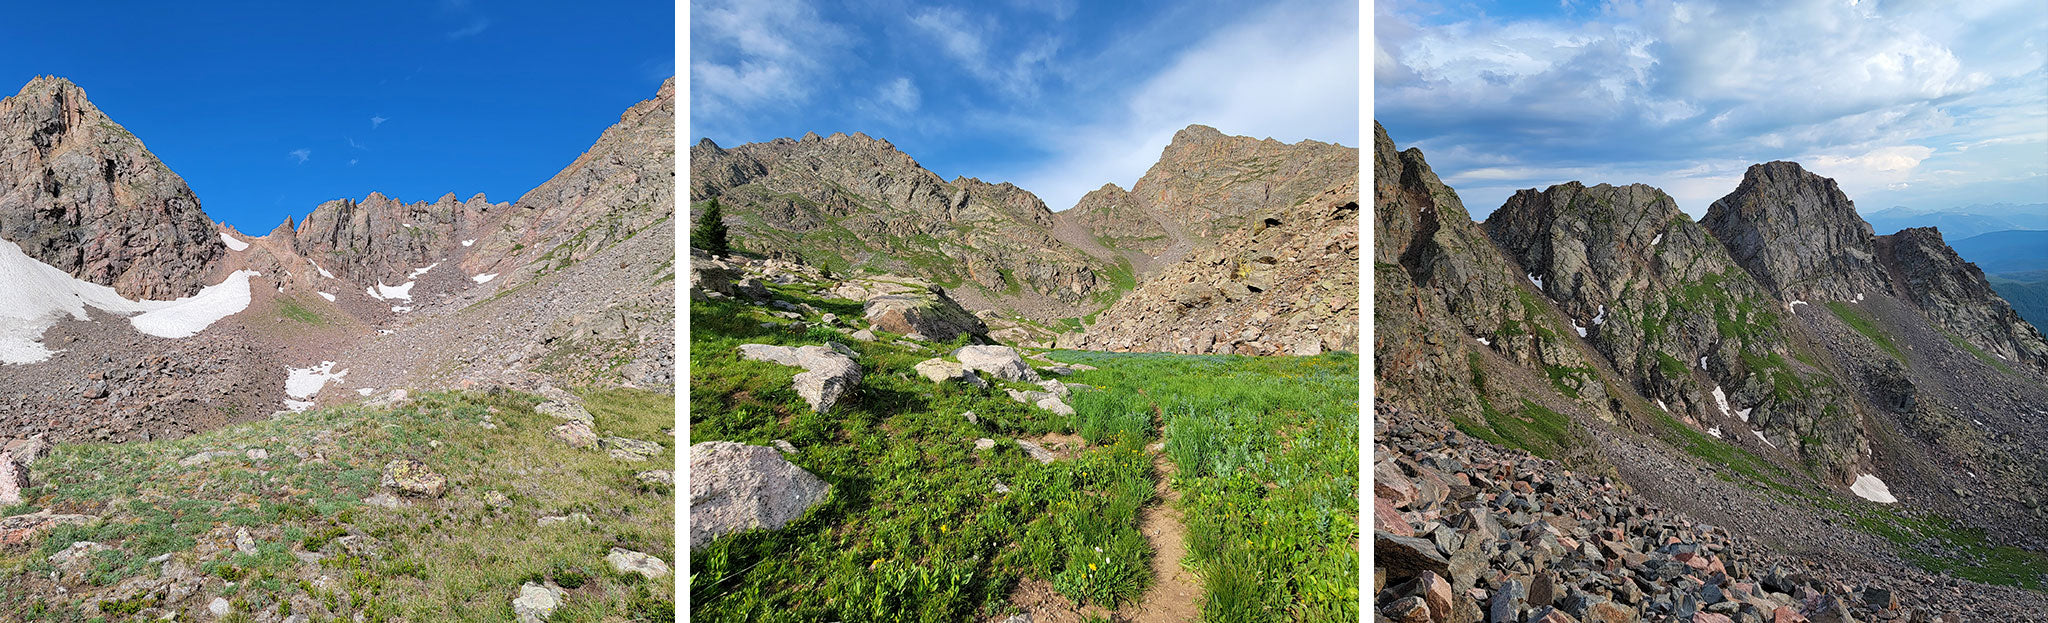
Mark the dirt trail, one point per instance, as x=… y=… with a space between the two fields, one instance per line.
x=1176 y=594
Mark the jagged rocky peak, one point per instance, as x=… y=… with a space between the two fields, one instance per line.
x=1954 y=294
x=1798 y=234
x=381 y=238
x=79 y=192
x=1210 y=181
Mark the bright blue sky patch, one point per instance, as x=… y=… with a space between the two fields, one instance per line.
x=1922 y=104
x=1057 y=97
x=267 y=110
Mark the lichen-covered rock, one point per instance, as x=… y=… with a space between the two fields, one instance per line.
x=939 y=371
x=735 y=487
x=411 y=477
x=926 y=314
x=827 y=376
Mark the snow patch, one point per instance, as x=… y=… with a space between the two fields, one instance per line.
x=1859 y=297
x=304 y=383
x=1715 y=431
x=383 y=292
x=1744 y=413
x=1870 y=488
x=1660 y=405
x=469 y=242
x=1536 y=280
x=421 y=271
x=1703 y=362
x=400 y=309
x=37 y=295
x=1721 y=398
x=324 y=295
x=1659 y=238
x=1576 y=327
x=323 y=271
x=366 y=391
x=297 y=406
x=486 y=278
x=1790 y=310
x=233 y=244
x=1600 y=318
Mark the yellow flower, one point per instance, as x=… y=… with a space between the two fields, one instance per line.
x=1091 y=566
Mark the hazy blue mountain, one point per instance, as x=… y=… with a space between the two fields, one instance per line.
x=1962 y=222
x=2027 y=292
x=2008 y=251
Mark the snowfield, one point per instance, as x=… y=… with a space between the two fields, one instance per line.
x=383 y=292
x=1870 y=488
x=303 y=384
x=469 y=242
x=1536 y=280
x=484 y=278
x=233 y=244
x=38 y=295
x=329 y=297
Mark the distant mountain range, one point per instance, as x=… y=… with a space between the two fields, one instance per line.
x=1962 y=222
x=2015 y=262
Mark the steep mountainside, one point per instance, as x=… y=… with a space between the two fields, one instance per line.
x=1204 y=186
x=1285 y=284
x=1774 y=370
x=80 y=193
x=572 y=284
x=1661 y=300
x=854 y=202
x=1798 y=235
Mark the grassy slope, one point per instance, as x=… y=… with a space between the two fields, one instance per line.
x=458 y=559
x=914 y=529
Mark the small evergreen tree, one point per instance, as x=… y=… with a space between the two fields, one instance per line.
x=710 y=234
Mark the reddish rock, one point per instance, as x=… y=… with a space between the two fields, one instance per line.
x=1386 y=518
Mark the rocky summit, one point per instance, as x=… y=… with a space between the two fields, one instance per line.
x=80 y=193
x=1772 y=414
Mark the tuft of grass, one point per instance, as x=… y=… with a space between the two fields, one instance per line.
x=1864 y=325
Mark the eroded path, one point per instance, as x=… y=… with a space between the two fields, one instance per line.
x=1176 y=594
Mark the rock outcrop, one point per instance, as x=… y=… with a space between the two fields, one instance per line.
x=380 y=240
x=1798 y=235
x=1204 y=187
x=1286 y=283
x=1955 y=296
x=827 y=376
x=80 y=193
x=735 y=487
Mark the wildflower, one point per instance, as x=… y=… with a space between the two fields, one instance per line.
x=1091 y=566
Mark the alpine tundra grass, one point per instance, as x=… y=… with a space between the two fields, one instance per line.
x=298 y=483
x=920 y=526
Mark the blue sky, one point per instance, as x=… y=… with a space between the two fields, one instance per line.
x=490 y=97
x=1924 y=104
x=1057 y=96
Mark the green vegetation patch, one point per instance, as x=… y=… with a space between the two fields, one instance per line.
x=1864 y=325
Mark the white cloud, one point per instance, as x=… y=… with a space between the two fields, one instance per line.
x=1016 y=74
x=747 y=54
x=1286 y=72
x=377 y=121
x=900 y=94
x=302 y=154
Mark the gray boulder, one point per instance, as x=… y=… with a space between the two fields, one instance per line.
x=735 y=487
x=827 y=375
x=940 y=371
x=999 y=361
x=923 y=315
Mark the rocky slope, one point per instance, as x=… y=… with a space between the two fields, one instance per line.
x=857 y=203
x=1285 y=284
x=80 y=193
x=1204 y=186
x=1600 y=327
x=572 y=284
x=1954 y=294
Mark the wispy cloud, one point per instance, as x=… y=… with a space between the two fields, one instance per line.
x=301 y=154
x=748 y=54
x=353 y=144
x=475 y=27
x=377 y=120
x=352 y=162
x=965 y=41
x=900 y=94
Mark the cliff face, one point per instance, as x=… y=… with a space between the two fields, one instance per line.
x=380 y=238
x=1285 y=284
x=1660 y=299
x=1954 y=295
x=1798 y=235
x=80 y=193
